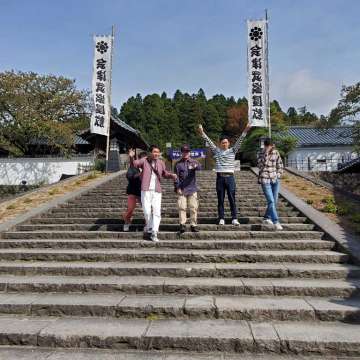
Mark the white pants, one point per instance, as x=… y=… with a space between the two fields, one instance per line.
x=151 y=204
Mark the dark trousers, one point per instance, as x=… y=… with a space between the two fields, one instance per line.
x=226 y=184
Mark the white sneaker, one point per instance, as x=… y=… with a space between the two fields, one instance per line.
x=267 y=222
x=222 y=222
x=235 y=222
x=278 y=226
x=126 y=227
x=154 y=237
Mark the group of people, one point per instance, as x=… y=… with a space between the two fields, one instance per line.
x=146 y=172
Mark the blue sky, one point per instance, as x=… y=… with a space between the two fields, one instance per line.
x=163 y=45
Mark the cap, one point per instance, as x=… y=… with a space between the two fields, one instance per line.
x=185 y=148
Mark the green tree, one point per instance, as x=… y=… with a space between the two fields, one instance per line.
x=132 y=112
x=348 y=111
x=40 y=107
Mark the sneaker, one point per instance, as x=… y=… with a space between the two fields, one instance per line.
x=194 y=229
x=126 y=227
x=146 y=235
x=235 y=222
x=154 y=237
x=221 y=222
x=267 y=222
x=278 y=226
x=182 y=228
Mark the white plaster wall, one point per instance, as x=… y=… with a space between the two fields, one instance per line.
x=298 y=158
x=37 y=170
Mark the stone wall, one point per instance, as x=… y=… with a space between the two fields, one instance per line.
x=348 y=182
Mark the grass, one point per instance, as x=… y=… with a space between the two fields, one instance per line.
x=152 y=317
x=343 y=210
x=53 y=191
x=12 y=208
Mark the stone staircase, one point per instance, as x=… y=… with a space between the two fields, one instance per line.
x=72 y=279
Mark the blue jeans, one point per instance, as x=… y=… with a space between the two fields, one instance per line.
x=226 y=184
x=271 y=192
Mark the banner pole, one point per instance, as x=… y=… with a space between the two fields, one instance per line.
x=267 y=72
x=109 y=125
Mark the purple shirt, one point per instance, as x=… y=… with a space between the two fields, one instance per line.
x=187 y=177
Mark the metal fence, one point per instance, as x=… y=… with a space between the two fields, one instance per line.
x=315 y=164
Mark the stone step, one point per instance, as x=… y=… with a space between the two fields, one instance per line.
x=210 y=270
x=169 y=186
x=163 y=227
x=182 y=285
x=252 y=244
x=39 y=353
x=209 y=195
x=182 y=307
x=169 y=208
x=166 y=209
x=58 y=212
x=240 y=192
x=174 y=255
x=166 y=203
x=140 y=220
x=203 y=235
x=238 y=336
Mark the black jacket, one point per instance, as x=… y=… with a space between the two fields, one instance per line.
x=134 y=181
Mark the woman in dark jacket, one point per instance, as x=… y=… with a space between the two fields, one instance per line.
x=133 y=191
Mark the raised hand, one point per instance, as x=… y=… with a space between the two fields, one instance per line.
x=131 y=153
x=200 y=129
x=247 y=128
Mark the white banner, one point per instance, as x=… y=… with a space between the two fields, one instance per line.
x=258 y=90
x=101 y=85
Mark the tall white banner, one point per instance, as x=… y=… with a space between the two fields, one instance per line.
x=258 y=90
x=101 y=85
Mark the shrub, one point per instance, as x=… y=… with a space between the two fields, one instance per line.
x=27 y=200
x=100 y=165
x=344 y=209
x=11 y=207
x=330 y=208
x=356 y=218
x=328 y=200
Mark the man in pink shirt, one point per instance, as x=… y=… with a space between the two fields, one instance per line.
x=153 y=170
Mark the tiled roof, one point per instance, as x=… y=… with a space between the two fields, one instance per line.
x=77 y=141
x=336 y=136
x=124 y=124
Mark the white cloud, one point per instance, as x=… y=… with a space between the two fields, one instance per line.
x=303 y=89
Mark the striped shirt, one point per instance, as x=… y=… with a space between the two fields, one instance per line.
x=224 y=159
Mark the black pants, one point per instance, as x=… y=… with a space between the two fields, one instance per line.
x=226 y=184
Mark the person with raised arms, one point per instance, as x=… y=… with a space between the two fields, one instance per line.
x=224 y=156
